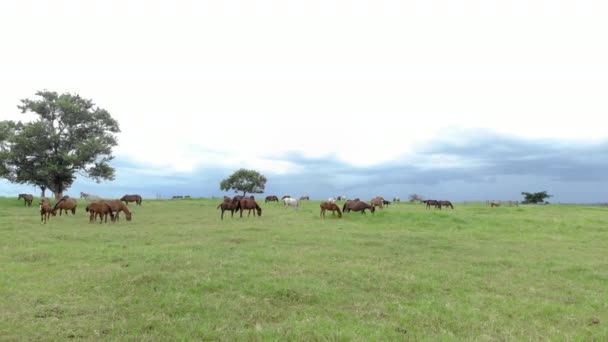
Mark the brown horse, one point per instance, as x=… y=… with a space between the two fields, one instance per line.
x=494 y=204
x=445 y=204
x=45 y=210
x=131 y=198
x=228 y=204
x=246 y=203
x=378 y=202
x=64 y=204
x=101 y=209
x=430 y=203
x=271 y=198
x=331 y=207
x=357 y=206
x=27 y=199
x=118 y=206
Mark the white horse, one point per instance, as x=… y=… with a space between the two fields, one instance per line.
x=331 y=200
x=90 y=198
x=291 y=202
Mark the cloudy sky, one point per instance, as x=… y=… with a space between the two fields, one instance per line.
x=462 y=100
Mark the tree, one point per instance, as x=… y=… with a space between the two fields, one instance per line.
x=536 y=197
x=70 y=136
x=415 y=198
x=246 y=181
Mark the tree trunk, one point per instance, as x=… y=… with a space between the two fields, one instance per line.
x=58 y=191
x=42 y=191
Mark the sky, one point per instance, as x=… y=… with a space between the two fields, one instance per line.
x=459 y=100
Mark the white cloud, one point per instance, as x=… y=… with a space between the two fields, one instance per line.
x=363 y=82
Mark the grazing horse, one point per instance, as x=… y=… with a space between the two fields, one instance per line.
x=271 y=198
x=45 y=210
x=357 y=206
x=246 y=203
x=385 y=202
x=131 y=198
x=378 y=202
x=64 y=204
x=90 y=198
x=430 y=203
x=101 y=209
x=494 y=204
x=331 y=207
x=284 y=197
x=27 y=199
x=228 y=205
x=291 y=202
x=305 y=198
x=118 y=206
x=445 y=204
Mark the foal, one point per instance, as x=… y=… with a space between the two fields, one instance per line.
x=45 y=211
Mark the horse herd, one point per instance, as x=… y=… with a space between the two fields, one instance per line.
x=242 y=203
x=97 y=206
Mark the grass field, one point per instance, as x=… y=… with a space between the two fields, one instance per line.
x=176 y=272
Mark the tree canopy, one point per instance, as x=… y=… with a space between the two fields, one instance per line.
x=536 y=197
x=247 y=181
x=70 y=136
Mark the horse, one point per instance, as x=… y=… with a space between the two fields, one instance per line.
x=396 y=199
x=341 y=198
x=90 y=198
x=45 y=210
x=271 y=198
x=385 y=202
x=430 y=203
x=246 y=203
x=118 y=206
x=331 y=207
x=64 y=204
x=27 y=199
x=291 y=202
x=358 y=206
x=228 y=205
x=131 y=198
x=445 y=204
x=378 y=202
x=331 y=200
x=176 y=196
x=305 y=198
x=101 y=209
x=284 y=197
x=494 y=204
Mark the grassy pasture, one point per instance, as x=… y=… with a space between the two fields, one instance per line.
x=176 y=272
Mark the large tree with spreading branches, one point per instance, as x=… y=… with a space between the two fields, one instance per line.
x=70 y=136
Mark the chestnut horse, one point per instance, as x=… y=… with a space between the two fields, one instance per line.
x=64 y=204
x=131 y=198
x=331 y=207
x=247 y=203
x=357 y=206
x=27 y=199
x=101 y=209
x=45 y=211
x=378 y=202
x=118 y=206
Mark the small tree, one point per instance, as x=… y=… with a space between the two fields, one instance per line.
x=247 y=181
x=415 y=198
x=536 y=197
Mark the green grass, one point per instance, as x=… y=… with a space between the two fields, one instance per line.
x=176 y=272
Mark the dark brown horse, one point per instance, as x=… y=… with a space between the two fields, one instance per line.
x=331 y=207
x=430 y=203
x=444 y=204
x=101 y=209
x=271 y=198
x=247 y=203
x=27 y=199
x=357 y=206
x=64 y=204
x=131 y=198
x=228 y=204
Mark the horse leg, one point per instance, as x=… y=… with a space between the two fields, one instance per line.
x=91 y=217
x=222 y=217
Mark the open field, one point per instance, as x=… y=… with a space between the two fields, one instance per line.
x=176 y=272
